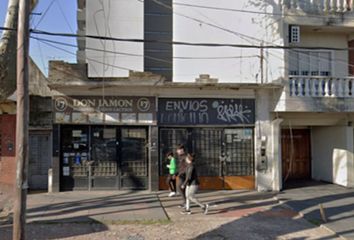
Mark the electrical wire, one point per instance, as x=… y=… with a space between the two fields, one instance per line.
x=192 y=44
x=64 y=16
x=41 y=55
x=146 y=56
x=200 y=21
x=255 y=12
x=90 y=59
x=45 y=13
x=241 y=57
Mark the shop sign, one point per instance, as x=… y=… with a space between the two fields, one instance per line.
x=205 y=111
x=108 y=109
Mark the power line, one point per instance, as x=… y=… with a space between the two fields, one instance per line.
x=200 y=44
x=45 y=13
x=65 y=18
x=254 y=12
x=114 y=66
x=90 y=59
x=41 y=55
x=146 y=56
x=137 y=55
x=195 y=44
x=240 y=35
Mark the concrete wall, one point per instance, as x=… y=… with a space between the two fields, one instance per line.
x=207 y=25
x=119 y=19
x=125 y=19
x=332 y=154
x=267 y=177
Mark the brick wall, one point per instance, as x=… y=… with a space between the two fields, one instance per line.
x=7 y=152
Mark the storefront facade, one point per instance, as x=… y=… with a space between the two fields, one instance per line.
x=120 y=142
x=103 y=141
x=220 y=131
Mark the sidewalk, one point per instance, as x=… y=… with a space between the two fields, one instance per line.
x=143 y=215
x=338 y=203
x=103 y=206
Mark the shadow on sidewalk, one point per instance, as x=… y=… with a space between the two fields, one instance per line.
x=338 y=202
x=90 y=206
x=250 y=215
x=275 y=223
x=45 y=231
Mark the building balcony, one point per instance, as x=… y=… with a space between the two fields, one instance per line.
x=329 y=13
x=320 y=6
x=320 y=87
x=316 y=94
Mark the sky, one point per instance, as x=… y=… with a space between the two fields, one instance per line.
x=55 y=16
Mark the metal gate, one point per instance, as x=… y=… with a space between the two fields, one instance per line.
x=104 y=157
x=220 y=152
x=39 y=160
x=169 y=140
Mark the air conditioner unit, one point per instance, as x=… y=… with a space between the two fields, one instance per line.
x=294 y=34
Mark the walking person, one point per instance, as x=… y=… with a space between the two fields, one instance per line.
x=191 y=185
x=171 y=179
x=182 y=165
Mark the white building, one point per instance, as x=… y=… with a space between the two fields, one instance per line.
x=290 y=58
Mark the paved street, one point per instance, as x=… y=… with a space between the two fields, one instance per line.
x=142 y=215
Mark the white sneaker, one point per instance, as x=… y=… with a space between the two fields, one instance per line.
x=172 y=194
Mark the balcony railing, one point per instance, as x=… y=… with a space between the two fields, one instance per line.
x=326 y=6
x=321 y=87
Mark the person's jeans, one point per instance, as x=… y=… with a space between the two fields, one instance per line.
x=190 y=195
x=182 y=191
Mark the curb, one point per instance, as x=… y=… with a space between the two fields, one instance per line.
x=303 y=217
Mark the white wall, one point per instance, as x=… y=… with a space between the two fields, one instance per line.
x=332 y=154
x=125 y=19
x=266 y=179
x=220 y=26
x=119 y=19
x=331 y=40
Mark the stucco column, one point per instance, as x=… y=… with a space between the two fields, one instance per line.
x=263 y=140
x=153 y=159
x=55 y=168
x=276 y=153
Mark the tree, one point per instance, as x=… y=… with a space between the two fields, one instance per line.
x=8 y=50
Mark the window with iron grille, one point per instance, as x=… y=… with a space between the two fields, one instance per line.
x=170 y=138
x=207 y=145
x=310 y=63
x=219 y=151
x=239 y=152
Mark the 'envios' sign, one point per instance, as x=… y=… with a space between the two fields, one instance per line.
x=205 y=111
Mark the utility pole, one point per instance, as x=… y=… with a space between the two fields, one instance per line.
x=261 y=63
x=22 y=119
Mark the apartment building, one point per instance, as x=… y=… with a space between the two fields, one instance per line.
x=259 y=91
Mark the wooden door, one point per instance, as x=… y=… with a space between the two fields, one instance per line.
x=296 y=154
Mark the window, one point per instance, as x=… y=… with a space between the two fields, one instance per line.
x=294 y=36
x=310 y=63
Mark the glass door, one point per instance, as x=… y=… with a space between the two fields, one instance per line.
x=133 y=158
x=104 y=164
x=74 y=157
